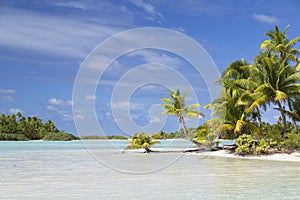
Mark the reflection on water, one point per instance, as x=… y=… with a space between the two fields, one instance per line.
x=66 y=170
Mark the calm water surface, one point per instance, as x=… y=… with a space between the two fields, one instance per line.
x=99 y=170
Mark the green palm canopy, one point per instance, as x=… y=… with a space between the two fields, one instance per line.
x=175 y=105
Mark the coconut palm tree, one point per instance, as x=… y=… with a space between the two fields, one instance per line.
x=232 y=106
x=175 y=105
x=294 y=111
x=278 y=69
x=281 y=83
x=141 y=140
x=280 y=44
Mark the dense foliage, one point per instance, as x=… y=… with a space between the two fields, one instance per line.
x=17 y=127
x=141 y=140
x=164 y=135
x=270 y=81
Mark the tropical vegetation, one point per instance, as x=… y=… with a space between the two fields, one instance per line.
x=103 y=137
x=17 y=127
x=175 y=105
x=271 y=81
x=141 y=140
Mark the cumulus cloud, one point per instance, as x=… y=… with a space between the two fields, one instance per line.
x=155 y=120
x=61 y=108
x=60 y=102
x=125 y=105
x=14 y=110
x=265 y=18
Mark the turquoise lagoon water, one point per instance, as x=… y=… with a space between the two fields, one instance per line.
x=98 y=169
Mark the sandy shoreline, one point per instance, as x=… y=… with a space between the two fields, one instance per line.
x=294 y=157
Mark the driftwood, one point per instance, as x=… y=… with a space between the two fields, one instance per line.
x=201 y=147
x=147 y=150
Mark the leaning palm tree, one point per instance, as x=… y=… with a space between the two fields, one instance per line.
x=141 y=140
x=175 y=105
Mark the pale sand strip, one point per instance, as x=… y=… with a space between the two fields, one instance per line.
x=294 y=157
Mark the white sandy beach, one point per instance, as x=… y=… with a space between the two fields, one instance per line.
x=294 y=157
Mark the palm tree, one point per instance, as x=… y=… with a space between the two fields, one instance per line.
x=232 y=107
x=294 y=112
x=280 y=44
x=175 y=105
x=272 y=78
x=141 y=140
x=280 y=78
x=281 y=83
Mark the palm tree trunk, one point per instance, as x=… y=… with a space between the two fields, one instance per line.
x=294 y=121
x=258 y=118
x=183 y=125
x=148 y=150
x=283 y=118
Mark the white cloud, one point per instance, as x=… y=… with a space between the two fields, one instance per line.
x=60 y=102
x=67 y=117
x=78 y=116
x=155 y=120
x=159 y=58
x=90 y=97
x=148 y=8
x=7 y=98
x=265 y=18
x=14 y=110
x=125 y=105
x=52 y=108
x=6 y=94
x=51 y=35
x=61 y=108
x=73 y=4
x=9 y=91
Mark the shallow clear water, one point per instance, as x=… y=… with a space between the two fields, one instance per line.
x=99 y=170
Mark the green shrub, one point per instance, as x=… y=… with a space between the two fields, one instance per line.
x=245 y=145
x=292 y=141
x=13 y=137
x=263 y=147
x=141 y=140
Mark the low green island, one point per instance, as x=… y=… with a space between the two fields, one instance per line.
x=103 y=137
x=16 y=127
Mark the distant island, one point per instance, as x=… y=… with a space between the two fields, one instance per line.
x=16 y=127
x=101 y=137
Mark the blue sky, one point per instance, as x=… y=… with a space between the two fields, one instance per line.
x=43 y=44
